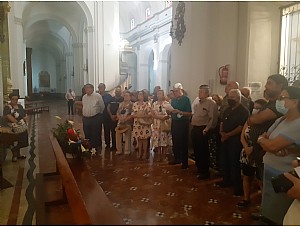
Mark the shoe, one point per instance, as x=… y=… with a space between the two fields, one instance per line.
x=173 y=163
x=21 y=157
x=243 y=203
x=203 y=176
x=184 y=167
x=14 y=159
x=118 y=153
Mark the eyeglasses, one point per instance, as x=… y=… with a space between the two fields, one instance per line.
x=283 y=97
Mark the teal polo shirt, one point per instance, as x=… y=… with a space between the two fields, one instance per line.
x=183 y=104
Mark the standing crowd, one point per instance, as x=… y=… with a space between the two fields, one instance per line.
x=244 y=139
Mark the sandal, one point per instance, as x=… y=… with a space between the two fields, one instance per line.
x=243 y=203
x=21 y=157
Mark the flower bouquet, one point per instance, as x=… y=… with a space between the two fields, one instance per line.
x=70 y=141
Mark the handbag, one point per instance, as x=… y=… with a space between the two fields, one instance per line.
x=142 y=120
x=165 y=125
x=19 y=127
x=145 y=121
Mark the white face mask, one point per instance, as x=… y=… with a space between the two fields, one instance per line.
x=255 y=111
x=280 y=107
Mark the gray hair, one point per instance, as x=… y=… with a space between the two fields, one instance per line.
x=237 y=92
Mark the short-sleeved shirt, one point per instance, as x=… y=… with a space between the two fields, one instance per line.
x=205 y=113
x=258 y=129
x=107 y=98
x=232 y=118
x=125 y=110
x=114 y=104
x=92 y=105
x=290 y=131
x=182 y=103
x=18 y=114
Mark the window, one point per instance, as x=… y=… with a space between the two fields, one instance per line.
x=290 y=43
x=148 y=13
x=132 y=24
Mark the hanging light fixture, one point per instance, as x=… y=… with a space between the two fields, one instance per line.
x=177 y=32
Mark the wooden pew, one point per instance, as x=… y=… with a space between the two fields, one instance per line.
x=32 y=107
x=86 y=199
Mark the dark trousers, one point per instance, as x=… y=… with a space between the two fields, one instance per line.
x=201 y=150
x=113 y=126
x=231 y=168
x=180 y=137
x=70 y=106
x=106 y=121
x=92 y=130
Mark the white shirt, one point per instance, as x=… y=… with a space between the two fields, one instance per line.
x=70 y=95
x=92 y=104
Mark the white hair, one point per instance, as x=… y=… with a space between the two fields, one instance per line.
x=178 y=85
x=237 y=92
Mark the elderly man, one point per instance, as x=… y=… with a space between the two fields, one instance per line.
x=246 y=92
x=204 y=119
x=92 y=110
x=229 y=86
x=232 y=123
x=180 y=126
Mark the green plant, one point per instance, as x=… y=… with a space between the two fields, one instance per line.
x=60 y=133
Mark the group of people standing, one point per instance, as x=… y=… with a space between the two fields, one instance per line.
x=251 y=138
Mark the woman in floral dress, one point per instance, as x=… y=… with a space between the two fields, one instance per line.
x=161 y=138
x=141 y=132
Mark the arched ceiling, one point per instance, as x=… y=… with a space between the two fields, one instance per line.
x=52 y=26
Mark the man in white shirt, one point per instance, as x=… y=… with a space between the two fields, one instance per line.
x=92 y=110
x=70 y=97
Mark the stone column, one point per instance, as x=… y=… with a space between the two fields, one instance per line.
x=78 y=78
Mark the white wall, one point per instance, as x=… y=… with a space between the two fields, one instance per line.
x=209 y=42
x=242 y=34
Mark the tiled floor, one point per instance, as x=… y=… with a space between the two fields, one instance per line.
x=144 y=193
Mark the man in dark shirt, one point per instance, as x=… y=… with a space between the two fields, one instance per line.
x=180 y=126
x=232 y=123
x=112 y=109
x=106 y=121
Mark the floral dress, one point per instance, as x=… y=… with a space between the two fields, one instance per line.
x=160 y=138
x=141 y=131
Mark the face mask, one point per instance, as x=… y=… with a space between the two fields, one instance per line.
x=280 y=107
x=255 y=111
x=231 y=102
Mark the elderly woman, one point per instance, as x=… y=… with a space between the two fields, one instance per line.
x=141 y=112
x=16 y=118
x=161 y=138
x=280 y=145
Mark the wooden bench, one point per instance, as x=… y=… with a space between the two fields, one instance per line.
x=86 y=199
x=32 y=107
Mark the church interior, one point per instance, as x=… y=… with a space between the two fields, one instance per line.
x=49 y=47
